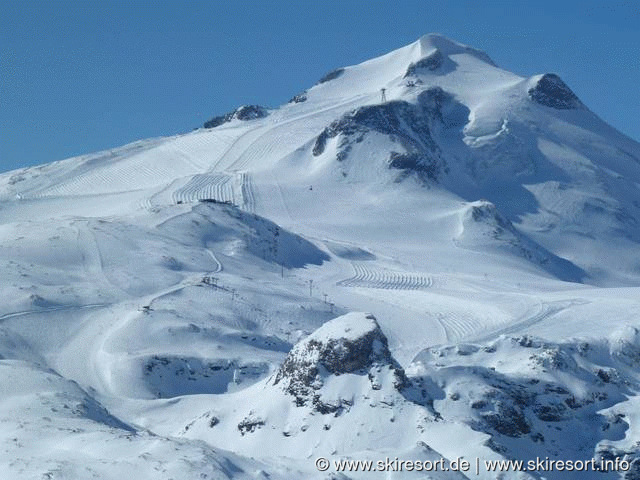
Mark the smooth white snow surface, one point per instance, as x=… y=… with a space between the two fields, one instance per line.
x=151 y=289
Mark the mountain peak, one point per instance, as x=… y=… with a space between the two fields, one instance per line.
x=435 y=41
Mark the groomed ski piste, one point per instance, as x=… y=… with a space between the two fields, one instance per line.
x=448 y=272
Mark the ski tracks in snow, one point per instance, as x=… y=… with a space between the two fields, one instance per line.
x=237 y=189
x=368 y=277
x=217 y=262
x=92 y=256
x=60 y=308
x=215 y=186
x=458 y=325
x=541 y=312
x=259 y=144
x=248 y=192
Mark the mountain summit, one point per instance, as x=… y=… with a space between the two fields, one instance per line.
x=447 y=47
x=434 y=113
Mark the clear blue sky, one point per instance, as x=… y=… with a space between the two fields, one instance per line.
x=77 y=77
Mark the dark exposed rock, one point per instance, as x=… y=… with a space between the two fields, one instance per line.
x=507 y=420
x=250 y=424
x=627 y=347
x=414 y=162
x=609 y=457
x=299 y=98
x=634 y=470
x=217 y=121
x=554 y=412
x=336 y=408
x=332 y=75
x=321 y=142
x=250 y=112
x=495 y=446
x=245 y=112
x=553 y=359
x=527 y=341
x=410 y=125
x=431 y=62
x=537 y=437
x=604 y=375
x=351 y=344
x=551 y=91
x=572 y=404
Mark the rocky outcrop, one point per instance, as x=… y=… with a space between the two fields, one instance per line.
x=299 y=98
x=550 y=91
x=244 y=113
x=332 y=75
x=430 y=63
x=412 y=126
x=350 y=344
x=540 y=393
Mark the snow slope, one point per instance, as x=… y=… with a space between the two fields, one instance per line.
x=154 y=294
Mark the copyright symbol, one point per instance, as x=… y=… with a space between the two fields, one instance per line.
x=322 y=464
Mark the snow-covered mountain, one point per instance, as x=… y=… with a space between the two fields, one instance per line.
x=188 y=306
